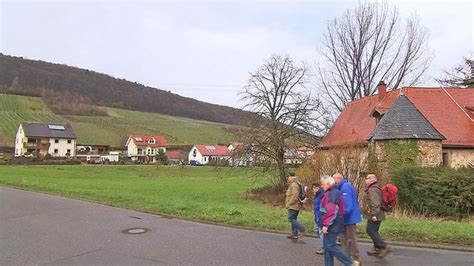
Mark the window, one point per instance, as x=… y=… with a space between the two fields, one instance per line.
x=205 y=159
x=152 y=141
x=56 y=140
x=69 y=141
x=152 y=151
x=139 y=151
x=68 y=152
x=56 y=151
x=194 y=153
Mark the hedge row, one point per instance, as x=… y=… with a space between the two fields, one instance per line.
x=436 y=191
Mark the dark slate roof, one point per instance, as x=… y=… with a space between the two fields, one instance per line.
x=43 y=130
x=404 y=121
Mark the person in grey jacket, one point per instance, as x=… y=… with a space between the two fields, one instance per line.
x=372 y=206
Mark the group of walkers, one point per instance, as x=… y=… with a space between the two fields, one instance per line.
x=336 y=214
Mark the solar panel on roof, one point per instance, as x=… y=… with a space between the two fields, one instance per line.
x=210 y=148
x=56 y=127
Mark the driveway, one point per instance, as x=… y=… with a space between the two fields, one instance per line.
x=40 y=229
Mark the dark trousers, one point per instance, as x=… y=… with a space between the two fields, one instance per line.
x=373 y=232
x=332 y=249
x=348 y=239
x=295 y=225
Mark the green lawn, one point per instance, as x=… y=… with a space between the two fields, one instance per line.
x=202 y=193
x=112 y=129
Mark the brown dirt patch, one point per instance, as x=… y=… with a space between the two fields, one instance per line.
x=273 y=196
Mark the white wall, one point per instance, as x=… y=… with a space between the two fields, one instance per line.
x=62 y=146
x=19 y=139
x=198 y=157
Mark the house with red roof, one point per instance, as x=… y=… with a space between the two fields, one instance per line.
x=241 y=154
x=204 y=154
x=143 y=148
x=175 y=156
x=440 y=120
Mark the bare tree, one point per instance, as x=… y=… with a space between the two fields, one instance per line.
x=461 y=75
x=277 y=95
x=368 y=44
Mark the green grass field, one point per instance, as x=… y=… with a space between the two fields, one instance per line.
x=202 y=193
x=113 y=129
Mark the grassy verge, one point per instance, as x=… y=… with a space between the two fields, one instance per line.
x=203 y=193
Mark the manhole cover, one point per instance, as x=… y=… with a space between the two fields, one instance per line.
x=135 y=231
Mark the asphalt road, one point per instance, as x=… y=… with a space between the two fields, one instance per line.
x=40 y=229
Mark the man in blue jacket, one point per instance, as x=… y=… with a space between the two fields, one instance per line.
x=352 y=217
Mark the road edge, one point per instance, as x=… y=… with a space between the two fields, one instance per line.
x=364 y=240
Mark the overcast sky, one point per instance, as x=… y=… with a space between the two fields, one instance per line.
x=203 y=49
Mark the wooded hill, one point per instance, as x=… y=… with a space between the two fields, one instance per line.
x=89 y=88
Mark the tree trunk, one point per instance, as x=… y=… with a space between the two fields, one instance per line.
x=281 y=168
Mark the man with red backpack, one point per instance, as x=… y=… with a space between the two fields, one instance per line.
x=373 y=211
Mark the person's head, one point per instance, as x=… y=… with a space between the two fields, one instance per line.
x=315 y=187
x=327 y=182
x=337 y=178
x=371 y=178
x=291 y=177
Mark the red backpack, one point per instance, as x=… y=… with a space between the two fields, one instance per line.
x=389 y=197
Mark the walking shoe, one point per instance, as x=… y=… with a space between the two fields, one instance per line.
x=383 y=252
x=356 y=263
x=301 y=235
x=292 y=237
x=373 y=252
x=320 y=251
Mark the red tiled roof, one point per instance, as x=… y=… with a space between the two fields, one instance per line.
x=142 y=140
x=219 y=150
x=446 y=109
x=174 y=155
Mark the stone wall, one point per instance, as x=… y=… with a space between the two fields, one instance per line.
x=378 y=147
x=351 y=161
x=430 y=153
x=459 y=157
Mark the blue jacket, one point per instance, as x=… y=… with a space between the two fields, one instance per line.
x=351 y=204
x=317 y=204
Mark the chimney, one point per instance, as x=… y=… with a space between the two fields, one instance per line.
x=382 y=90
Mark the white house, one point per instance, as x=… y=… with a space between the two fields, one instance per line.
x=144 y=148
x=240 y=154
x=203 y=154
x=113 y=156
x=35 y=139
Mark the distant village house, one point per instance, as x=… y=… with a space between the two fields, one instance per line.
x=36 y=139
x=241 y=155
x=144 y=148
x=204 y=154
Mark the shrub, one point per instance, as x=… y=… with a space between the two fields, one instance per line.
x=436 y=191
